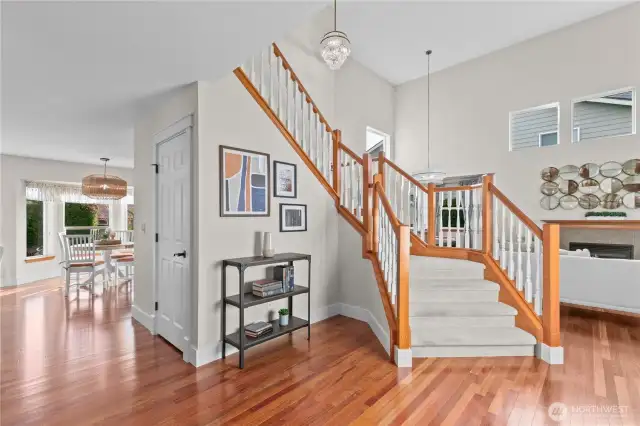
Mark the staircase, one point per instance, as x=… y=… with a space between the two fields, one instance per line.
x=461 y=271
x=455 y=312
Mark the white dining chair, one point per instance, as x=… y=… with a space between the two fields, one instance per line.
x=128 y=263
x=63 y=255
x=81 y=257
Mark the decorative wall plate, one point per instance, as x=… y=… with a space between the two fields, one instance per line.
x=549 y=188
x=569 y=202
x=611 y=201
x=631 y=167
x=589 y=186
x=549 y=174
x=631 y=184
x=568 y=187
x=569 y=172
x=632 y=200
x=589 y=201
x=549 y=202
x=611 y=185
x=589 y=170
x=611 y=169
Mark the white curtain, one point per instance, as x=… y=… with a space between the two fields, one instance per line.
x=67 y=193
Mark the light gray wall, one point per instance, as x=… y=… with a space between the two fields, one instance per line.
x=598 y=120
x=471 y=103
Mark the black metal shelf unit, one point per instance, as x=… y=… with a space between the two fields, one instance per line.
x=244 y=300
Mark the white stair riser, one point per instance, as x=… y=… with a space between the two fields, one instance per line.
x=471 y=351
x=424 y=273
x=467 y=322
x=454 y=296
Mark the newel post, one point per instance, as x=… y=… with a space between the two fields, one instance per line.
x=366 y=200
x=337 y=138
x=487 y=214
x=551 y=284
x=404 y=254
x=381 y=169
x=431 y=214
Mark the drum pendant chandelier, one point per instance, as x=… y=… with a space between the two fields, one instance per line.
x=104 y=186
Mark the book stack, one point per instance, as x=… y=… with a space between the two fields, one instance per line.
x=266 y=287
x=285 y=275
x=257 y=329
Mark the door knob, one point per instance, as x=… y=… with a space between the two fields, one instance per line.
x=181 y=254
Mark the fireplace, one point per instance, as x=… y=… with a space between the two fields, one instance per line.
x=605 y=251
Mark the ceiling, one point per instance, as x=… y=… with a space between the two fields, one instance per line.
x=74 y=74
x=391 y=37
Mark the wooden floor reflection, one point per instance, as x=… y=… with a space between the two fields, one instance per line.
x=80 y=362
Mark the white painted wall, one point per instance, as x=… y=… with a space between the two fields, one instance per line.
x=15 y=170
x=167 y=110
x=471 y=104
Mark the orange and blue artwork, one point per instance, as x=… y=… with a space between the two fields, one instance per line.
x=244 y=182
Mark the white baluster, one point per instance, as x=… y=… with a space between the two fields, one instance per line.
x=318 y=142
x=457 y=209
x=537 y=292
x=528 y=288
x=465 y=216
x=253 y=73
x=519 y=274
x=402 y=218
x=503 y=255
x=272 y=92
x=496 y=246
x=449 y=206
x=439 y=217
x=512 y=267
x=263 y=88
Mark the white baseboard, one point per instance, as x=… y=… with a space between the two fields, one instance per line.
x=550 y=355
x=364 y=315
x=147 y=320
x=601 y=306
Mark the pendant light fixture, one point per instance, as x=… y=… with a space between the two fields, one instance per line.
x=336 y=46
x=429 y=175
x=104 y=186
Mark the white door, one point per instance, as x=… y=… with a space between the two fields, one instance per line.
x=173 y=195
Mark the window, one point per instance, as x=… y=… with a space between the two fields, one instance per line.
x=604 y=115
x=35 y=228
x=377 y=142
x=130 y=216
x=534 y=127
x=80 y=214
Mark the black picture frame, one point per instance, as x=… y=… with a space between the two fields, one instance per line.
x=283 y=207
x=275 y=179
x=223 y=212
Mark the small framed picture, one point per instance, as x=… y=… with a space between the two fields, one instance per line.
x=293 y=217
x=285 y=180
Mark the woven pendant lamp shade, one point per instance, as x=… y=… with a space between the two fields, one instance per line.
x=104 y=186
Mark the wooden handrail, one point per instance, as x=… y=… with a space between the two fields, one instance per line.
x=294 y=77
x=351 y=153
x=515 y=210
x=458 y=188
x=406 y=175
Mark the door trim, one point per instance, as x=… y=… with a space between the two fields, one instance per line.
x=185 y=124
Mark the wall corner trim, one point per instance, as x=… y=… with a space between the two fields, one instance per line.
x=146 y=319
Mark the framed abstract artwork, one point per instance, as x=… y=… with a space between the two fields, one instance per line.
x=293 y=217
x=285 y=180
x=244 y=182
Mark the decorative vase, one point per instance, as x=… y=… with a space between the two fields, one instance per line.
x=267 y=246
x=284 y=320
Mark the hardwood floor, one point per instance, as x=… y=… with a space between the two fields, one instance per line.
x=78 y=363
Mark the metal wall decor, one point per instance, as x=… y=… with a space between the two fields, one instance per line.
x=609 y=186
x=631 y=167
x=589 y=170
x=549 y=174
x=549 y=188
x=589 y=201
x=569 y=202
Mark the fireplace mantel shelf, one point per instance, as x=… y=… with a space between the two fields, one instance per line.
x=597 y=224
